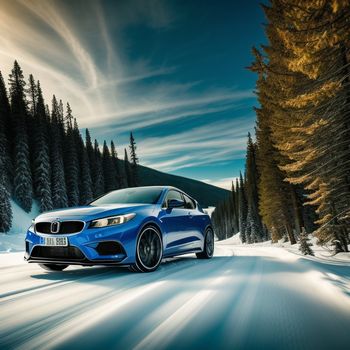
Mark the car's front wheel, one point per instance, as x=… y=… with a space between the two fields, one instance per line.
x=53 y=267
x=149 y=250
x=208 y=250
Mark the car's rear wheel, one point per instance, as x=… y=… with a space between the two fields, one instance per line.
x=208 y=250
x=53 y=267
x=149 y=250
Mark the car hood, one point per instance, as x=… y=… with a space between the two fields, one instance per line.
x=91 y=212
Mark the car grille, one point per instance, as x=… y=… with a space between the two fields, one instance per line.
x=66 y=227
x=70 y=253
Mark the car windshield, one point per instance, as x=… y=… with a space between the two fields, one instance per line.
x=130 y=195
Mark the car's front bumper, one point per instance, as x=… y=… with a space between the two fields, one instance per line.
x=83 y=247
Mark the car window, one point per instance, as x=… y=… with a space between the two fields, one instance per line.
x=189 y=203
x=142 y=195
x=173 y=195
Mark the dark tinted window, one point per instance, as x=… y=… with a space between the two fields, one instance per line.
x=189 y=203
x=173 y=195
x=130 y=195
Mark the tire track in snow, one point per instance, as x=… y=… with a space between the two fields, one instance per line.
x=14 y=295
x=129 y=326
x=56 y=317
x=163 y=287
x=164 y=333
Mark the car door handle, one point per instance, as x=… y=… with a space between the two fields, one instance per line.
x=190 y=215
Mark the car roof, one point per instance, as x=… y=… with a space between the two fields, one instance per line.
x=166 y=187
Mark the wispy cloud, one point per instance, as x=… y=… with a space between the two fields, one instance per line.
x=51 y=14
x=209 y=144
x=82 y=61
x=150 y=119
x=156 y=104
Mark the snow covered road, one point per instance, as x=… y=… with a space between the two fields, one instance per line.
x=245 y=297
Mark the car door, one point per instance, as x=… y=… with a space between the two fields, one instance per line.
x=194 y=223
x=175 y=223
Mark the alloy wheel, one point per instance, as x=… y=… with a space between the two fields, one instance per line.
x=209 y=243
x=149 y=249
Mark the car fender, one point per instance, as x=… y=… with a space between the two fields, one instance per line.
x=150 y=221
x=146 y=221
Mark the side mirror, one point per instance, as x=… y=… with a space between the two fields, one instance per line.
x=175 y=203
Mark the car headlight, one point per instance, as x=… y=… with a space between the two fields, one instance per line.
x=112 y=220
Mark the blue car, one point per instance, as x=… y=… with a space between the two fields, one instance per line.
x=134 y=227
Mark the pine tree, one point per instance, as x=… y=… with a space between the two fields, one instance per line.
x=109 y=170
x=40 y=159
x=224 y=220
x=85 y=181
x=99 y=179
x=92 y=161
x=22 y=172
x=120 y=177
x=307 y=92
x=305 y=245
x=248 y=232
x=85 y=190
x=127 y=169
x=275 y=199
x=237 y=199
x=243 y=210
x=220 y=221
x=31 y=100
x=69 y=116
x=61 y=121
x=134 y=162
x=235 y=215
x=71 y=161
x=6 y=135
x=32 y=95
x=254 y=226
x=5 y=205
x=58 y=182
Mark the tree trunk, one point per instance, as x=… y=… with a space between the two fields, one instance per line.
x=290 y=234
x=297 y=216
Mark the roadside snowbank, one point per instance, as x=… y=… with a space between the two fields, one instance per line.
x=13 y=241
x=322 y=253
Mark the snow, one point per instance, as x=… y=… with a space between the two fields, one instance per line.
x=247 y=296
x=235 y=240
x=14 y=240
x=322 y=253
x=209 y=210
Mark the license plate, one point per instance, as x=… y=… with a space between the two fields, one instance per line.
x=56 y=241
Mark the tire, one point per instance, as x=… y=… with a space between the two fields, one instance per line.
x=208 y=250
x=149 y=250
x=53 y=267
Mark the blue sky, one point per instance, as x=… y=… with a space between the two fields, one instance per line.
x=173 y=72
